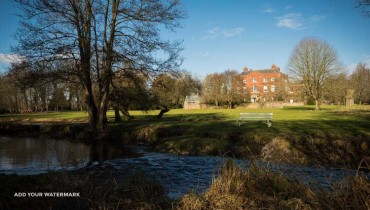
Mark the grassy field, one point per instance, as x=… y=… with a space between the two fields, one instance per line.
x=331 y=120
x=336 y=135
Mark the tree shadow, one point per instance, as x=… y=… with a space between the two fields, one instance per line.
x=102 y=151
x=302 y=108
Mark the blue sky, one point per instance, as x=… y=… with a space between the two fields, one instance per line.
x=230 y=34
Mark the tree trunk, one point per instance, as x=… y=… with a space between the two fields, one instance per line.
x=117 y=117
x=161 y=113
x=89 y=98
x=126 y=114
x=317 y=104
x=102 y=118
x=92 y=111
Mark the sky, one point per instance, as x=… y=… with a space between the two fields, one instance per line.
x=230 y=34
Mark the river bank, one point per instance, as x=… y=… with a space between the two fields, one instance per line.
x=320 y=143
x=83 y=189
x=251 y=188
x=233 y=187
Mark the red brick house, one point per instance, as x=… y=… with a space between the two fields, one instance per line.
x=265 y=84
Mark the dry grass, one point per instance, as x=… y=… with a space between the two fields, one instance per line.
x=350 y=193
x=260 y=188
x=97 y=190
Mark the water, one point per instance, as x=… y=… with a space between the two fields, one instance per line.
x=178 y=174
x=182 y=174
x=26 y=156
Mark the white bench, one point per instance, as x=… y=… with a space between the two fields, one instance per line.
x=254 y=117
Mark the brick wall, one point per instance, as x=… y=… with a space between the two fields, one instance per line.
x=264 y=83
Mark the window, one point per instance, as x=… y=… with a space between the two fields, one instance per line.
x=245 y=89
x=272 y=79
x=264 y=80
x=265 y=88
x=254 y=79
x=244 y=81
x=255 y=88
x=272 y=88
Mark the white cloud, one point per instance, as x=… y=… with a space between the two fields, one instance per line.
x=9 y=58
x=268 y=10
x=352 y=67
x=225 y=33
x=212 y=33
x=289 y=7
x=297 y=21
x=232 y=32
x=291 y=20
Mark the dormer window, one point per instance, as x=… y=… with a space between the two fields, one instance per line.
x=254 y=79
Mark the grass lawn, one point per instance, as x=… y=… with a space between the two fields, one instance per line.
x=62 y=116
x=331 y=120
x=336 y=135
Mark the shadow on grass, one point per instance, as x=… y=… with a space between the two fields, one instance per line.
x=62 y=115
x=340 y=128
x=304 y=108
x=217 y=133
x=331 y=138
x=199 y=117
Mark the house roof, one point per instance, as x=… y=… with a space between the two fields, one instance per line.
x=260 y=71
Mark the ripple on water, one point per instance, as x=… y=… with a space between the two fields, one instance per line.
x=178 y=174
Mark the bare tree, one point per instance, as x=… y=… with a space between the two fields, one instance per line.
x=186 y=85
x=100 y=36
x=232 y=87
x=212 y=88
x=335 y=88
x=311 y=63
x=364 y=6
x=360 y=80
x=130 y=89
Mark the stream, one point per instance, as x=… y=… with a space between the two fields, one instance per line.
x=178 y=174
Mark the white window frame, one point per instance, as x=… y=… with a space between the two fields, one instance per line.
x=272 y=88
x=255 y=88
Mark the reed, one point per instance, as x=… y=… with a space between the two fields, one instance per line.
x=261 y=188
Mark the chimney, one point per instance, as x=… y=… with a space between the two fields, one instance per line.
x=274 y=67
x=245 y=69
